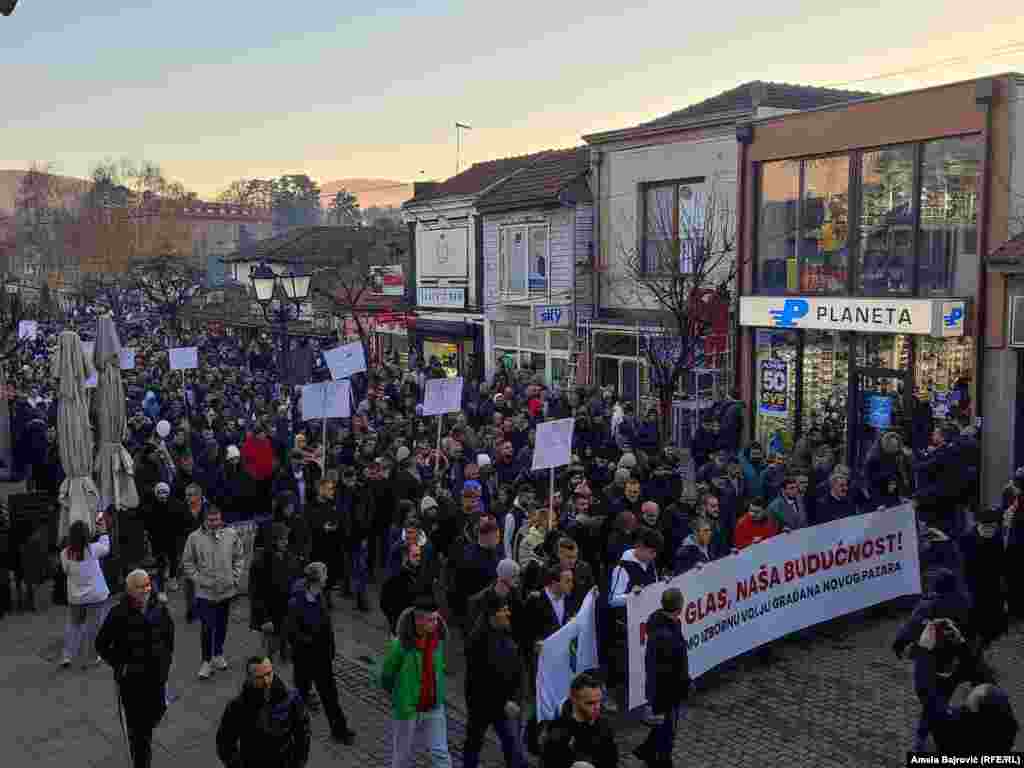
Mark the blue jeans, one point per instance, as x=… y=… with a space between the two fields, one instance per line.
x=663 y=735
x=434 y=725
x=508 y=735
x=214 y=618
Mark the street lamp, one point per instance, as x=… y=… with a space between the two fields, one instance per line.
x=293 y=289
x=7 y=7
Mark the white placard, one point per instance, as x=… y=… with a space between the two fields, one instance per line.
x=553 y=446
x=442 y=396
x=27 y=329
x=87 y=349
x=566 y=653
x=346 y=360
x=183 y=358
x=782 y=585
x=328 y=399
x=127 y=359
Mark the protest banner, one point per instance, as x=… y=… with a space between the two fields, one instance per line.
x=780 y=586
x=346 y=360
x=442 y=396
x=183 y=358
x=553 y=448
x=571 y=650
x=326 y=400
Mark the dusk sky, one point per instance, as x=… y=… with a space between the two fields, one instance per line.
x=215 y=90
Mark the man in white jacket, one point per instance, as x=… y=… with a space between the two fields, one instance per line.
x=213 y=561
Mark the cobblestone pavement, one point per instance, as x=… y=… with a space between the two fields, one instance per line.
x=834 y=696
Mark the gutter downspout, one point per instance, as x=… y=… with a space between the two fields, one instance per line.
x=983 y=101
x=744 y=135
x=595 y=273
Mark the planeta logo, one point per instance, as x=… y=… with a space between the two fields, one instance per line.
x=954 y=318
x=792 y=310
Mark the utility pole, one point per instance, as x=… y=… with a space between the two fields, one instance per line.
x=459 y=128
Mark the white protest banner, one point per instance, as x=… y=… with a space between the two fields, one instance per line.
x=87 y=348
x=572 y=649
x=553 y=447
x=782 y=585
x=183 y=358
x=27 y=329
x=326 y=400
x=442 y=396
x=127 y=359
x=346 y=360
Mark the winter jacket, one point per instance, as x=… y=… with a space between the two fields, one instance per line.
x=401 y=590
x=667 y=666
x=138 y=644
x=272 y=579
x=752 y=475
x=476 y=567
x=792 y=515
x=984 y=567
x=748 y=529
x=690 y=554
x=258 y=457
x=829 y=508
x=494 y=671
x=401 y=670
x=213 y=560
x=569 y=741
x=86 y=584
x=309 y=629
x=261 y=732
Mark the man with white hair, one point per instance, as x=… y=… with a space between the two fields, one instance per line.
x=137 y=641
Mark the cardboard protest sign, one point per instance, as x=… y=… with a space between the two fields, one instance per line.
x=327 y=400
x=127 y=359
x=183 y=358
x=346 y=360
x=27 y=329
x=442 y=396
x=553 y=447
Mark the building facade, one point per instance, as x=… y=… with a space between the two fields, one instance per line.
x=864 y=305
x=538 y=238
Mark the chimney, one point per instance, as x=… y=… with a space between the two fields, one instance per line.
x=423 y=187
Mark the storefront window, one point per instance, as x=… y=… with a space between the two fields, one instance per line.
x=776 y=234
x=825 y=225
x=534 y=361
x=950 y=179
x=506 y=359
x=943 y=379
x=887 y=221
x=775 y=389
x=559 y=371
x=825 y=385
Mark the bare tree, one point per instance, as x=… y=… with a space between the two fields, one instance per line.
x=257 y=193
x=683 y=268
x=344 y=209
x=169 y=282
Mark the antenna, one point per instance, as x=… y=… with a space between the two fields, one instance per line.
x=459 y=128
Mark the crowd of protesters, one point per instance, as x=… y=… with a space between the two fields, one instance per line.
x=463 y=542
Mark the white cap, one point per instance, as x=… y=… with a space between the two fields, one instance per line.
x=483 y=460
x=163 y=428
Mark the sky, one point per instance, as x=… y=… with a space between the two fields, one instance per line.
x=215 y=90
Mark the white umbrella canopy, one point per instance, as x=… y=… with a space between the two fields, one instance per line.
x=114 y=469
x=78 y=495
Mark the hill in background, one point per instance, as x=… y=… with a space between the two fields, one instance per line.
x=379 y=193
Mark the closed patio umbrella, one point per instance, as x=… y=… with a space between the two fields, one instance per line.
x=114 y=469
x=78 y=495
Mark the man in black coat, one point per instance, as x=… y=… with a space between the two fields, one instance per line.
x=494 y=676
x=310 y=634
x=580 y=734
x=983 y=552
x=667 y=669
x=273 y=575
x=137 y=641
x=266 y=725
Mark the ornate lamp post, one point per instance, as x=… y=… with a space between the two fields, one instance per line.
x=281 y=298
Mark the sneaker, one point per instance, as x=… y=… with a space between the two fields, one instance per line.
x=220 y=663
x=204 y=671
x=65 y=662
x=172 y=585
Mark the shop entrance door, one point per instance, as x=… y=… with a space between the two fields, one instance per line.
x=879 y=402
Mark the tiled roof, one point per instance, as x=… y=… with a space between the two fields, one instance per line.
x=1012 y=251
x=542 y=181
x=477 y=178
x=318 y=245
x=774 y=95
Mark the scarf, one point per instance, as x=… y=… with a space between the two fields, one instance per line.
x=428 y=682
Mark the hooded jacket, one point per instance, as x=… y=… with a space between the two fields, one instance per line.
x=690 y=554
x=258 y=731
x=402 y=667
x=667 y=666
x=213 y=560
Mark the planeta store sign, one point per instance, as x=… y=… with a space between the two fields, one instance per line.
x=930 y=317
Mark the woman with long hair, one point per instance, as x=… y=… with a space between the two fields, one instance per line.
x=87 y=589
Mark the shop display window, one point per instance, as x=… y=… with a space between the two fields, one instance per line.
x=777 y=232
x=887 y=221
x=826 y=375
x=775 y=360
x=943 y=375
x=950 y=180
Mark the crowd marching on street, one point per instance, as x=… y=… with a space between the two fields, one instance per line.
x=465 y=542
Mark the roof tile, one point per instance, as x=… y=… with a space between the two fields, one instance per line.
x=542 y=181
x=478 y=177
